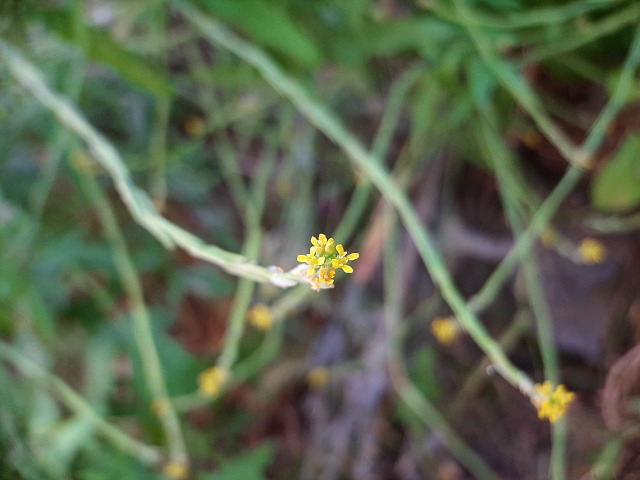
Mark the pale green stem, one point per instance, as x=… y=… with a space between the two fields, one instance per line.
x=158 y=154
x=137 y=202
x=75 y=403
x=390 y=119
x=573 y=41
x=551 y=204
x=254 y=208
x=478 y=377
x=329 y=124
x=533 y=17
x=158 y=142
x=404 y=387
x=517 y=87
x=503 y=164
x=142 y=331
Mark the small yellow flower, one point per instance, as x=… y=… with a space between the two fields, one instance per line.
x=445 y=329
x=323 y=259
x=318 y=378
x=175 y=471
x=551 y=403
x=591 y=251
x=210 y=381
x=343 y=258
x=260 y=317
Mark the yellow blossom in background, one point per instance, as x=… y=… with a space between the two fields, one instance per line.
x=592 y=251
x=260 y=317
x=532 y=138
x=175 y=471
x=323 y=259
x=210 y=381
x=445 y=329
x=195 y=126
x=160 y=407
x=551 y=403
x=318 y=378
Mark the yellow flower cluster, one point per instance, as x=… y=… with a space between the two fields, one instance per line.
x=591 y=251
x=210 y=381
x=445 y=329
x=324 y=258
x=551 y=403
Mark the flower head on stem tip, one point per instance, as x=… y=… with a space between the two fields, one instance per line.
x=323 y=259
x=552 y=403
x=445 y=329
x=210 y=381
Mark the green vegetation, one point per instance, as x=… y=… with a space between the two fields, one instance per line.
x=164 y=163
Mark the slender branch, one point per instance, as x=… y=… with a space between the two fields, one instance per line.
x=142 y=332
x=137 y=201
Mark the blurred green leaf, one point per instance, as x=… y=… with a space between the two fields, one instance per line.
x=426 y=35
x=252 y=464
x=423 y=373
x=269 y=24
x=63 y=443
x=98 y=45
x=102 y=463
x=616 y=187
x=481 y=83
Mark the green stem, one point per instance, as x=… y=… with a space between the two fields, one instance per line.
x=503 y=164
x=142 y=332
x=405 y=388
x=137 y=202
x=390 y=119
x=254 y=207
x=333 y=128
x=551 y=204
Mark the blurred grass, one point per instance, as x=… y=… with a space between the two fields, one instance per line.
x=230 y=168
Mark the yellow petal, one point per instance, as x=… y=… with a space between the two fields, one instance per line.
x=353 y=256
x=340 y=249
x=314 y=240
x=335 y=262
x=312 y=251
x=323 y=238
x=347 y=269
x=310 y=271
x=302 y=258
x=321 y=260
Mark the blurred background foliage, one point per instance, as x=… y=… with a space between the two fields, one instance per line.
x=200 y=130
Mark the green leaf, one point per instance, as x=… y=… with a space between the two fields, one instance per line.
x=425 y=35
x=248 y=465
x=616 y=187
x=481 y=83
x=98 y=45
x=270 y=25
